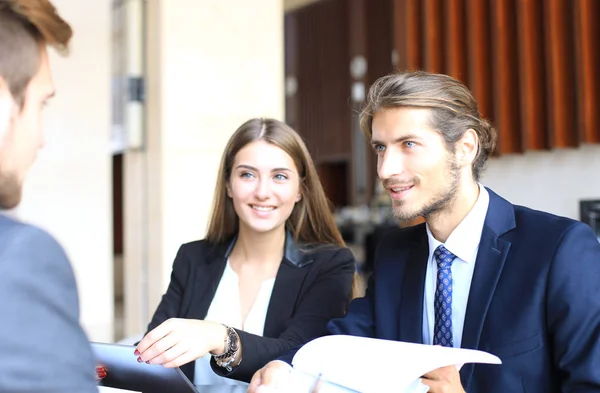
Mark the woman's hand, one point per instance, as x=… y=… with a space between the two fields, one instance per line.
x=179 y=341
x=100 y=372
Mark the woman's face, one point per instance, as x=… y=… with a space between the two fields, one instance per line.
x=264 y=186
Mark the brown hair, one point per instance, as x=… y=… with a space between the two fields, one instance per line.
x=454 y=110
x=311 y=220
x=26 y=26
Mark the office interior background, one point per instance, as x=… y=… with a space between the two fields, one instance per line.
x=153 y=89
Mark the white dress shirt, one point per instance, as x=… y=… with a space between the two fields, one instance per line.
x=225 y=308
x=464 y=243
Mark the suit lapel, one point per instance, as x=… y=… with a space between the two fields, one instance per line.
x=413 y=289
x=287 y=285
x=488 y=267
x=289 y=280
x=208 y=276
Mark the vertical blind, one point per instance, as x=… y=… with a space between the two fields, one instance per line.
x=533 y=65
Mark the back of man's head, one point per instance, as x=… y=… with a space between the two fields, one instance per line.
x=25 y=27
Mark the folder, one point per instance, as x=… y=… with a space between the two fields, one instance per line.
x=354 y=364
x=124 y=372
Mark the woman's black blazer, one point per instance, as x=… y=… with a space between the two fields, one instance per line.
x=312 y=286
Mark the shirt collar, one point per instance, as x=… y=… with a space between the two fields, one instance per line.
x=297 y=253
x=464 y=239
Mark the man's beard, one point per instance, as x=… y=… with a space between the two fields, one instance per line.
x=10 y=186
x=10 y=191
x=438 y=203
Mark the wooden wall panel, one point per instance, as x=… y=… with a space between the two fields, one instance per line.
x=560 y=53
x=380 y=38
x=533 y=66
x=291 y=44
x=480 y=64
x=532 y=75
x=359 y=50
x=505 y=76
x=433 y=31
x=408 y=34
x=455 y=40
x=587 y=38
x=380 y=44
x=322 y=73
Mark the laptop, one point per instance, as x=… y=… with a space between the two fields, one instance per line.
x=124 y=372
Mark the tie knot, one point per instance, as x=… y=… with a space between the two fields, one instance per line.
x=443 y=257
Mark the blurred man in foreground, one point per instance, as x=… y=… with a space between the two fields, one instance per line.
x=42 y=346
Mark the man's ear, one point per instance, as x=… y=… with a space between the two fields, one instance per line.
x=7 y=108
x=467 y=147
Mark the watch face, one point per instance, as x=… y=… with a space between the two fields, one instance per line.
x=234 y=340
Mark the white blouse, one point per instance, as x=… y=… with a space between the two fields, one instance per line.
x=225 y=308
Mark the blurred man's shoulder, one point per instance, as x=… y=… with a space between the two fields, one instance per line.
x=17 y=237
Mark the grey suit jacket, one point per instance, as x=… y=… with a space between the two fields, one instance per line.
x=43 y=348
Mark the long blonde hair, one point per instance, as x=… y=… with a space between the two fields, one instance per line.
x=311 y=220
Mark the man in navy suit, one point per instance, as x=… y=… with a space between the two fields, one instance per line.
x=480 y=273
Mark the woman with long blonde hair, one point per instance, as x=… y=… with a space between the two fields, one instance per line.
x=271 y=272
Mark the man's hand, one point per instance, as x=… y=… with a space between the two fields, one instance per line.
x=271 y=378
x=443 y=380
x=179 y=341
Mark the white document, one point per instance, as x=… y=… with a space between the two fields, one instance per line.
x=368 y=365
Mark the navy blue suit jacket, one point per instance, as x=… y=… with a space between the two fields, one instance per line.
x=534 y=301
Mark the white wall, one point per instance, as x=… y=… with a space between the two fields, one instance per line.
x=221 y=64
x=212 y=65
x=551 y=181
x=68 y=191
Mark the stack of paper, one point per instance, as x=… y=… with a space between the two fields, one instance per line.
x=367 y=365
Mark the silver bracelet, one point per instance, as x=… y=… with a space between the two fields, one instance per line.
x=232 y=346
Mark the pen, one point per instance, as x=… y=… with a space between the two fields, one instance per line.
x=316 y=384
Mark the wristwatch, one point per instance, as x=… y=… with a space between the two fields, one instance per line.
x=232 y=346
